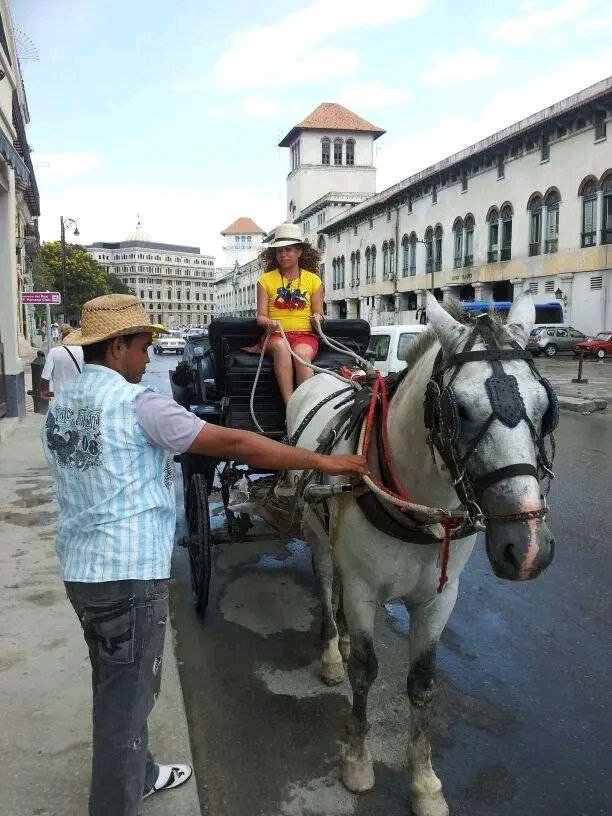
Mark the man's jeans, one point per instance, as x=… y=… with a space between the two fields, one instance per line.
x=124 y=623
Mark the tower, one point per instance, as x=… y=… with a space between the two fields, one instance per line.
x=242 y=242
x=331 y=151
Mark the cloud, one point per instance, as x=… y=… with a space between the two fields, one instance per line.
x=289 y=52
x=54 y=167
x=535 y=21
x=258 y=105
x=372 y=95
x=460 y=67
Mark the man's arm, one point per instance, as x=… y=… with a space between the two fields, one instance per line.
x=46 y=376
x=259 y=451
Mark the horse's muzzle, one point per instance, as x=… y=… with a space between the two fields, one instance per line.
x=519 y=550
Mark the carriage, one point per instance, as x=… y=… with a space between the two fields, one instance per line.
x=215 y=380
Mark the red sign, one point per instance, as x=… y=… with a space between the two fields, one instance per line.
x=41 y=298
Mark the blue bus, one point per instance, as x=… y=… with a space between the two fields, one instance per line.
x=545 y=312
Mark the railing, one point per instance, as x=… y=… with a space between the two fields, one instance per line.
x=413 y=270
x=606 y=236
x=589 y=239
x=428 y=266
x=492 y=256
x=506 y=253
x=534 y=249
x=458 y=263
x=468 y=260
x=438 y=266
x=552 y=245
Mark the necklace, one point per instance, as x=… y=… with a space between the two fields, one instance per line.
x=291 y=280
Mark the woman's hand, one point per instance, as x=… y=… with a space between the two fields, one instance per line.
x=316 y=319
x=350 y=464
x=272 y=326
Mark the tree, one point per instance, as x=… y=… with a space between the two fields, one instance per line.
x=85 y=277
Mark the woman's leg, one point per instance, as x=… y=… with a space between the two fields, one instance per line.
x=277 y=349
x=306 y=352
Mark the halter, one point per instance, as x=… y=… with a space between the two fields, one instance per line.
x=443 y=421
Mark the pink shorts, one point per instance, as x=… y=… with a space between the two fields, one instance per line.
x=294 y=338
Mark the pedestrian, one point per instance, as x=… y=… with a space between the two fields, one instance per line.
x=289 y=294
x=55 y=332
x=63 y=363
x=108 y=441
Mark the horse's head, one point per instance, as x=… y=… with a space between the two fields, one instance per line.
x=492 y=412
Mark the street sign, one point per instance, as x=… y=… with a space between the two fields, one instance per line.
x=41 y=298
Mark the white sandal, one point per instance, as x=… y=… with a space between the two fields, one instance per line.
x=169 y=776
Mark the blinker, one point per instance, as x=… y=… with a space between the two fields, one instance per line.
x=506 y=400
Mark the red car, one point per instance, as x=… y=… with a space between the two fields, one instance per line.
x=599 y=345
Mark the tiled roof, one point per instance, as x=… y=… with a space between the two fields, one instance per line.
x=242 y=226
x=332 y=116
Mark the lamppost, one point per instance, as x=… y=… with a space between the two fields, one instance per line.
x=71 y=224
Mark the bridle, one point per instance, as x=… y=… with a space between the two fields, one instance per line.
x=443 y=421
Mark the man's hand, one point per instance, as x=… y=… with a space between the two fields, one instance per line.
x=343 y=463
x=44 y=394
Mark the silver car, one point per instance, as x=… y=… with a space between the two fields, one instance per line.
x=549 y=340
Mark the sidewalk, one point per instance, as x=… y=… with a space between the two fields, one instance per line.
x=582 y=397
x=45 y=685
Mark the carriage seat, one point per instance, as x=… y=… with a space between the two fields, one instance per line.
x=235 y=369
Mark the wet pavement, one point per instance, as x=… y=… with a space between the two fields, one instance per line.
x=520 y=723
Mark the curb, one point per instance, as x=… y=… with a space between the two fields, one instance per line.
x=582 y=405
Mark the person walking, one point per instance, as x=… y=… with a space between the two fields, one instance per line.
x=108 y=441
x=63 y=363
x=289 y=293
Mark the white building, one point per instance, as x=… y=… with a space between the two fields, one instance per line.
x=174 y=282
x=243 y=241
x=236 y=290
x=19 y=208
x=528 y=208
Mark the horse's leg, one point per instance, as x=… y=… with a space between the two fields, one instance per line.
x=427 y=621
x=332 y=668
x=359 y=607
x=344 y=643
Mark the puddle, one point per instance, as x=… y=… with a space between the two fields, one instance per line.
x=41 y=519
x=33 y=501
x=46 y=598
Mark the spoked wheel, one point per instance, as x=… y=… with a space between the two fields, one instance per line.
x=198 y=541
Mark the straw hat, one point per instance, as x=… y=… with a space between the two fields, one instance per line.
x=111 y=316
x=287 y=235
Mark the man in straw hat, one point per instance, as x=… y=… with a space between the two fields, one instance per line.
x=62 y=364
x=107 y=439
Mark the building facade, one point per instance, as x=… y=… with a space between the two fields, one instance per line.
x=174 y=282
x=19 y=209
x=236 y=290
x=242 y=242
x=527 y=209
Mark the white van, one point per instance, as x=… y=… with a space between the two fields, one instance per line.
x=389 y=344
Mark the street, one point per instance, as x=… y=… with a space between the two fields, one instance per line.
x=520 y=720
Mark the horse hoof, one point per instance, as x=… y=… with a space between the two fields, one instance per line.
x=332 y=673
x=432 y=805
x=358 y=775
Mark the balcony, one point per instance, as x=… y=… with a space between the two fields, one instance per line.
x=457 y=263
x=468 y=260
x=551 y=246
x=506 y=253
x=606 y=236
x=492 y=256
x=589 y=239
x=438 y=265
x=534 y=249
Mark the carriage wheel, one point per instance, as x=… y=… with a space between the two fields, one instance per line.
x=198 y=541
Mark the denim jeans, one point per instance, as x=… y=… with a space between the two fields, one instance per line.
x=124 y=624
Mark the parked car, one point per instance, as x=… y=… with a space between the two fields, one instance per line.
x=389 y=344
x=550 y=340
x=196 y=331
x=174 y=342
x=600 y=345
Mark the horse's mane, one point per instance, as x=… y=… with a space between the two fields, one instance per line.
x=425 y=340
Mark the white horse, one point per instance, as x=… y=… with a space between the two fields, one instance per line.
x=375 y=567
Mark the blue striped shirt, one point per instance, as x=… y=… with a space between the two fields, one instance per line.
x=115 y=491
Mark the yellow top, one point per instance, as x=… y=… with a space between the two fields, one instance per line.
x=289 y=301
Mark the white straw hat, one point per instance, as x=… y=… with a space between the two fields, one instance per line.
x=287 y=235
x=111 y=316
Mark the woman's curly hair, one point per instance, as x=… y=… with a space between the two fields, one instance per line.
x=310 y=259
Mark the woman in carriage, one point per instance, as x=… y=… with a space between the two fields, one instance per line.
x=289 y=294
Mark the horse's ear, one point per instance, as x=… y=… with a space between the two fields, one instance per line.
x=521 y=319
x=449 y=331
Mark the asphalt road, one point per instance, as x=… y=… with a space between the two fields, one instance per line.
x=521 y=722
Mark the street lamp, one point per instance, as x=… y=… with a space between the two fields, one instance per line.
x=71 y=224
x=428 y=260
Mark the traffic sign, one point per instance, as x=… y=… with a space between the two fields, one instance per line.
x=41 y=298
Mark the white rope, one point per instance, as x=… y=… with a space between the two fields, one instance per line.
x=338 y=346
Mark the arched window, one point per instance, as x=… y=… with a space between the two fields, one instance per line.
x=357 y=267
x=493 y=220
x=392 y=259
x=405 y=256
x=352 y=268
x=325 y=150
x=458 y=243
x=373 y=264
x=338 y=151
x=551 y=203
x=413 y=248
x=321 y=243
x=506 y=232
x=350 y=152
x=606 y=208
x=588 y=191
x=368 y=264
x=429 y=250
x=341 y=283
x=534 y=206
x=468 y=226
x=385 y=256
x=438 y=248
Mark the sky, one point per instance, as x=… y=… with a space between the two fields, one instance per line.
x=174 y=110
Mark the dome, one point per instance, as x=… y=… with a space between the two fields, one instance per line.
x=139 y=234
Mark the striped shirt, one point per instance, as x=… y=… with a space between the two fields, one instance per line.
x=115 y=491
